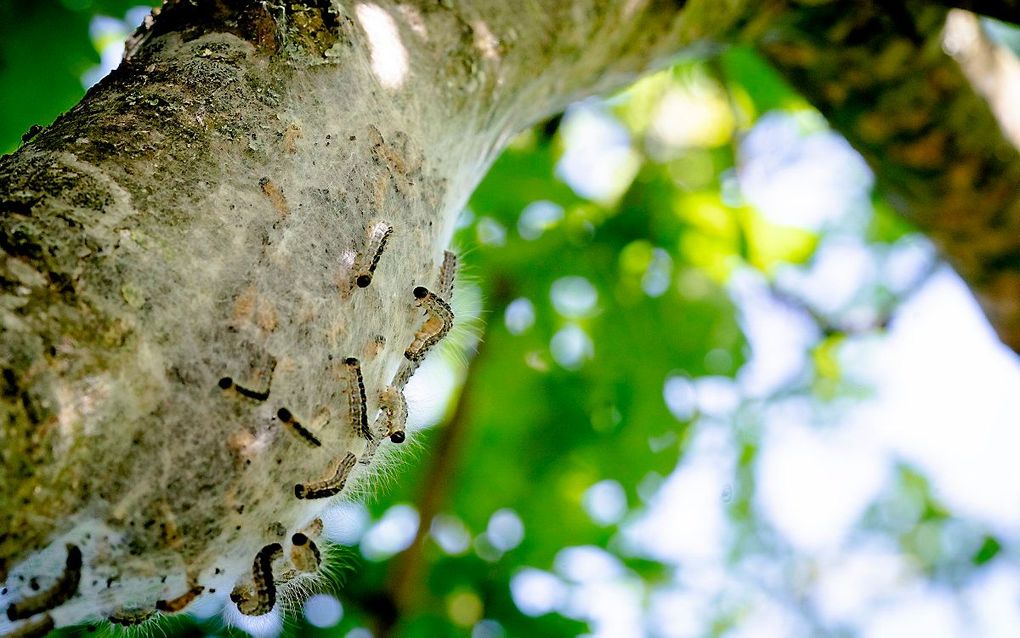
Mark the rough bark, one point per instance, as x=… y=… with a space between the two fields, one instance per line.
x=188 y=237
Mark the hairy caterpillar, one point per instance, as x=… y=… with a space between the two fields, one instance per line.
x=436 y=326
x=56 y=594
x=357 y=398
x=265 y=587
x=175 y=605
x=330 y=486
x=129 y=617
x=226 y=383
x=34 y=628
x=304 y=553
x=379 y=234
x=288 y=419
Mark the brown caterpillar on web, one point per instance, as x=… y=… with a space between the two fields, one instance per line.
x=331 y=485
x=304 y=553
x=178 y=604
x=62 y=590
x=131 y=617
x=447 y=275
x=295 y=426
x=392 y=422
x=36 y=628
x=378 y=234
x=357 y=399
x=437 y=325
x=261 y=598
x=227 y=384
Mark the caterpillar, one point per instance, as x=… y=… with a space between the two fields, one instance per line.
x=226 y=383
x=447 y=275
x=57 y=594
x=265 y=588
x=438 y=324
x=379 y=234
x=34 y=628
x=304 y=553
x=288 y=419
x=175 y=605
x=331 y=485
x=358 y=400
x=394 y=406
x=129 y=617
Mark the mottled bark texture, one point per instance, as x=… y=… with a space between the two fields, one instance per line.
x=880 y=73
x=180 y=252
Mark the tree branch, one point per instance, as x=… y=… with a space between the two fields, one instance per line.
x=939 y=155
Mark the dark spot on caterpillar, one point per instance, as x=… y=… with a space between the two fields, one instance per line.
x=397 y=437
x=330 y=486
x=57 y=594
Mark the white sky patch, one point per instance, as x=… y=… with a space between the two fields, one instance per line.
x=574 y=297
x=814 y=484
x=993 y=597
x=613 y=608
x=393 y=533
x=841 y=267
x=685 y=521
x=801 y=178
x=450 y=534
x=429 y=391
x=948 y=401
x=587 y=564
x=345 y=523
x=505 y=530
x=266 y=626
x=779 y=335
x=927 y=612
x=605 y=502
x=852 y=583
x=389 y=57
x=323 y=610
x=599 y=162
x=519 y=315
x=536 y=592
x=571 y=346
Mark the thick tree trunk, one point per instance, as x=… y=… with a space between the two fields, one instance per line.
x=187 y=240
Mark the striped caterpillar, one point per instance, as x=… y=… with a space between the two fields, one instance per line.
x=329 y=486
x=288 y=419
x=358 y=400
x=379 y=234
x=56 y=594
x=264 y=598
x=175 y=605
x=34 y=628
